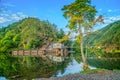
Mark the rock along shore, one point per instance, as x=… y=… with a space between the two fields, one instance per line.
x=97 y=75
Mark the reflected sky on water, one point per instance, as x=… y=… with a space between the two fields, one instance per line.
x=73 y=67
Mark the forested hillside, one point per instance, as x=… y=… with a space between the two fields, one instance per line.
x=29 y=33
x=109 y=35
x=107 y=38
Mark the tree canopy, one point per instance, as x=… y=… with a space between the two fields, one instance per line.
x=81 y=16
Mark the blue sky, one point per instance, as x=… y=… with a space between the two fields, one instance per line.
x=14 y=10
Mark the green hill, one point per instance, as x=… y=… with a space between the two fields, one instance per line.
x=108 y=37
x=29 y=33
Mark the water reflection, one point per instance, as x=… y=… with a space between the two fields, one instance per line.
x=105 y=63
x=69 y=66
x=73 y=67
x=2 y=78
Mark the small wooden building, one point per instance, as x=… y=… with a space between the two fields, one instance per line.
x=60 y=49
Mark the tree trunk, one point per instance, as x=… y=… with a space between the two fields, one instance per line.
x=86 y=50
x=85 y=66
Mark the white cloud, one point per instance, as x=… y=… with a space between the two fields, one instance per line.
x=111 y=19
x=4 y=17
x=8 y=5
x=3 y=20
x=22 y=15
x=109 y=10
x=15 y=17
x=100 y=9
x=107 y=20
x=114 y=10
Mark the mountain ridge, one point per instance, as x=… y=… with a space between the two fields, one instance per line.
x=108 y=36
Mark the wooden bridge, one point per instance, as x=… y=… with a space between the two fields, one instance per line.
x=55 y=52
x=38 y=53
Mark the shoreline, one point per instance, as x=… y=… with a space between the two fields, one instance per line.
x=92 y=75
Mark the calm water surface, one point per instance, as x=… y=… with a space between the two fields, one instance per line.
x=73 y=67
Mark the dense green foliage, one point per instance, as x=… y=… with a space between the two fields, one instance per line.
x=106 y=41
x=107 y=36
x=29 y=33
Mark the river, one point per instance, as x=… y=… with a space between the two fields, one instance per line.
x=73 y=67
x=70 y=67
x=2 y=78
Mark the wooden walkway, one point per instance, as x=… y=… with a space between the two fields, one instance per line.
x=39 y=52
x=53 y=51
x=48 y=54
